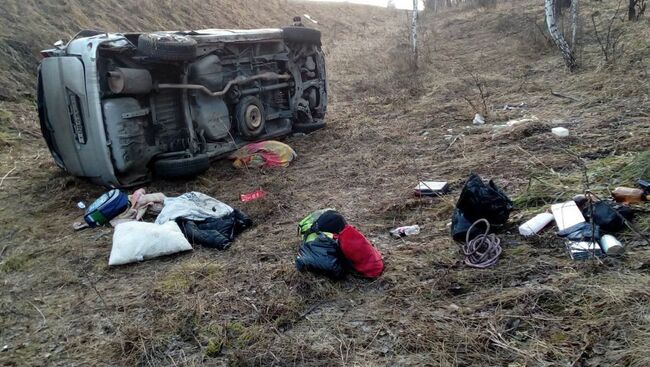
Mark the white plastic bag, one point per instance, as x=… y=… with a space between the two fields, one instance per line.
x=139 y=241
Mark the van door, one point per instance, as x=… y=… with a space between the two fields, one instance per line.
x=66 y=109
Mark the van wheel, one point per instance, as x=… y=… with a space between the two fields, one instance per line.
x=301 y=35
x=307 y=128
x=250 y=117
x=167 y=46
x=181 y=167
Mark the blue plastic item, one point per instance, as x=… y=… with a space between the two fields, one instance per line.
x=106 y=207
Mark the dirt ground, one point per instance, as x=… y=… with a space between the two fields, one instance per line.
x=60 y=304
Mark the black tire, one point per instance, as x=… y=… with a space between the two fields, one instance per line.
x=308 y=127
x=250 y=117
x=301 y=35
x=181 y=167
x=168 y=47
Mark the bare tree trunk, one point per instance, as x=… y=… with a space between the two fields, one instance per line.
x=574 y=23
x=631 y=11
x=558 y=37
x=414 y=34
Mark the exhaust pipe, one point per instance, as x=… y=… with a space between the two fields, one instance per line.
x=238 y=80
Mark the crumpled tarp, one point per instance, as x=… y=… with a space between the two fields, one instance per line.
x=263 y=154
x=193 y=206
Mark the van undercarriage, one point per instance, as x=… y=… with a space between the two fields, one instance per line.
x=169 y=102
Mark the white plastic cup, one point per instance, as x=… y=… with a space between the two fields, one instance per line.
x=535 y=224
x=611 y=245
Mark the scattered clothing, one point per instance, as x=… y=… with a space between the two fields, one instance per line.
x=139 y=241
x=194 y=206
x=263 y=154
x=141 y=203
x=581 y=232
x=215 y=232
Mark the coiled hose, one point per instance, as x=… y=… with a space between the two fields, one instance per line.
x=482 y=251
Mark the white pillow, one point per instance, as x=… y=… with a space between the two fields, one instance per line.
x=138 y=241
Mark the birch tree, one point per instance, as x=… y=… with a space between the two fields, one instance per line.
x=574 y=23
x=557 y=36
x=414 y=34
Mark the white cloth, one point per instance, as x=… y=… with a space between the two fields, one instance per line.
x=141 y=202
x=139 y=241
x=193 y=206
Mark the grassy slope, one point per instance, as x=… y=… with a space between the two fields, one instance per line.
x=60 y=304
x=27 y=26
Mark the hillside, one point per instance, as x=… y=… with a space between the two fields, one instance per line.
x=389 y=127
x=26 y=27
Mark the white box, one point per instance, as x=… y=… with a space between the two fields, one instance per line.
x=567 y=215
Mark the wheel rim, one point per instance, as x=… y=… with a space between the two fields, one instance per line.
x=253 y=117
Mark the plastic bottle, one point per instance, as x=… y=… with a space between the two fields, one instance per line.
x=405 y=231
x=560 y=131
x=535 y=224
x=628 y=195
x=478 y=119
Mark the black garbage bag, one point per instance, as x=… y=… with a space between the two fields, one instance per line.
x=320 y=256
x=460 y=225
x=215 y=232
x=480 y=200
x=581 y=232
x=605 y=215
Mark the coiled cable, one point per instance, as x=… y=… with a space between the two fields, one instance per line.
x=482 y=251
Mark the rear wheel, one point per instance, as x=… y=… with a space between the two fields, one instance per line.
x=181 y=167
x=167 y=46
x=250 y=117
x=307 y=128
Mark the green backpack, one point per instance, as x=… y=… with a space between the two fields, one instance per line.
x=306 y=228
x=327 y=221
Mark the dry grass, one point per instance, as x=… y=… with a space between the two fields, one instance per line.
x=61 y=305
